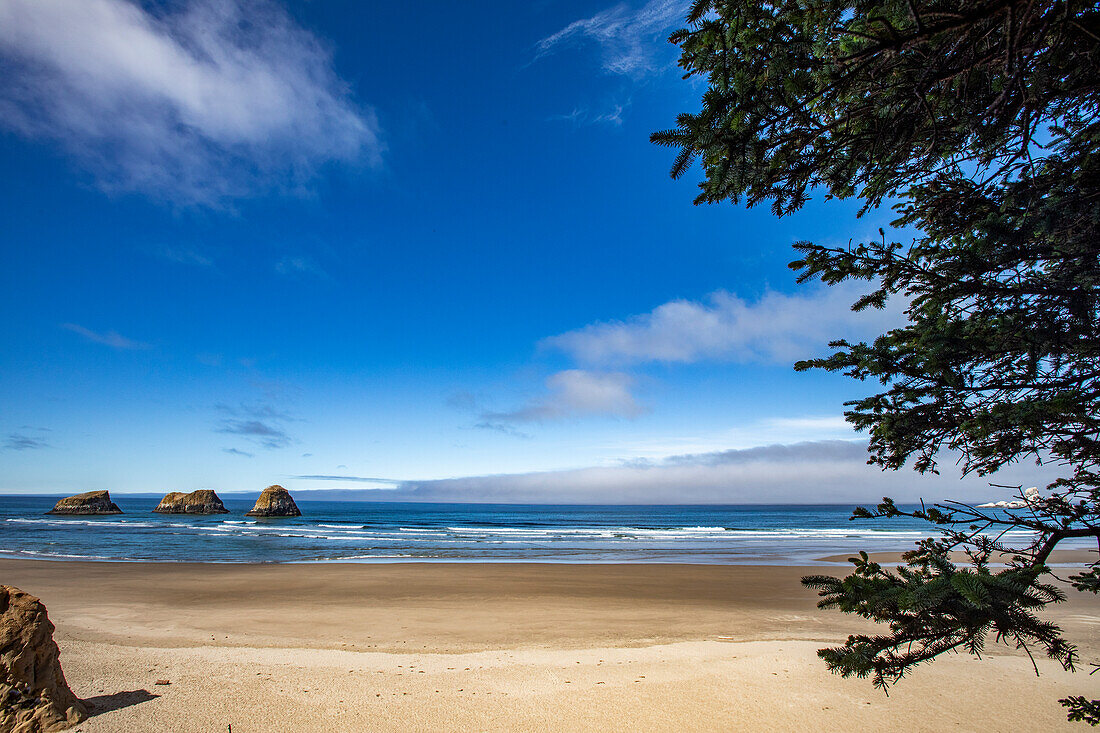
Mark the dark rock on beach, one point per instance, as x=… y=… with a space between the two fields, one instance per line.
x=92 y=502
x=203 y=501
x=274 y=501
x=33 y=693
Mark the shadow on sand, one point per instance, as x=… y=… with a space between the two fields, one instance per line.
x=106 y=703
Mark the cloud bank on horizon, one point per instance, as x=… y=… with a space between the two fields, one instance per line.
x=812 y=472
x=209 y=102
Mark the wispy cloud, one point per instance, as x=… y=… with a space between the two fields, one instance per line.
x=577 y=117
x=235 y=452
x=299 y=265
x=462 y=400
x=268 y=435
x=502 y=427
x=582 y=116
x=257 y=410
x=183 y=255
x=261 y=423
x=110 y=338
x=19 y=441
x=774 y=329
x=574 y=393
x=631 y=40
x=199 y=104
x=353 y=479
x=815 y=423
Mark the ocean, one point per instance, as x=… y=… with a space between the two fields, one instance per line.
x=339 y=531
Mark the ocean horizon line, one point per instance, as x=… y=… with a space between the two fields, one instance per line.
x=334 y=531
x=352 y=495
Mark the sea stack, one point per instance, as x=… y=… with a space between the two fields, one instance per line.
x=274 y=501
x=33 y=693
x=92 y=502
x=203 y=501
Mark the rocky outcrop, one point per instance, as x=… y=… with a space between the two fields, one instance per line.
x=33 y=693
x=274 y=501
x=1031 y=498
x=92 y=502
x=203 y=501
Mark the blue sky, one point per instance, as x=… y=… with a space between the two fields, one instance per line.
x=430 y=251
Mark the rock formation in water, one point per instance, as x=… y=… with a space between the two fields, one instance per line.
x=274 y=501
x=1031 y=498
x=33 y=693
x=203 y=501
x=92 y=502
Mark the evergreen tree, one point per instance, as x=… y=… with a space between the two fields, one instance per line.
x=979 y=122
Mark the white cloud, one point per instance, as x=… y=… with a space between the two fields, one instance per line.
x=776 y=328
x=110 y=338
x=182 y=255
x=206 y=103
x=298 y=265
x=824 y=423
x=258 y=422
x=630 y=40
x=831 y=471
x=574 y=393
x=743 y=435
x=21 y=442
x=581 y=116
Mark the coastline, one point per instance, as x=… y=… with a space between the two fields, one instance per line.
x=363 y=532
x=432 y=646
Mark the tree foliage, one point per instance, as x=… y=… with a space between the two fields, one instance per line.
x=979 y=122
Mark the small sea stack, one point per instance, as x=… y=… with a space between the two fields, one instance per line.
x=275 y=501
x=203 y=501
x=91 y=502
x=34 y=696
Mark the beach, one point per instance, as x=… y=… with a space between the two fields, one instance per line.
x=496 y=646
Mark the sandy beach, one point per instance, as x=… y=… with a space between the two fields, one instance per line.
x=421 y=647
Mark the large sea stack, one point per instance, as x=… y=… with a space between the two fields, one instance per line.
x=274 y=501
x=33 y=693
x=92 y=502
x=203 y=501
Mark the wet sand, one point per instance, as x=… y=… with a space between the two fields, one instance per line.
x=410 y=646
